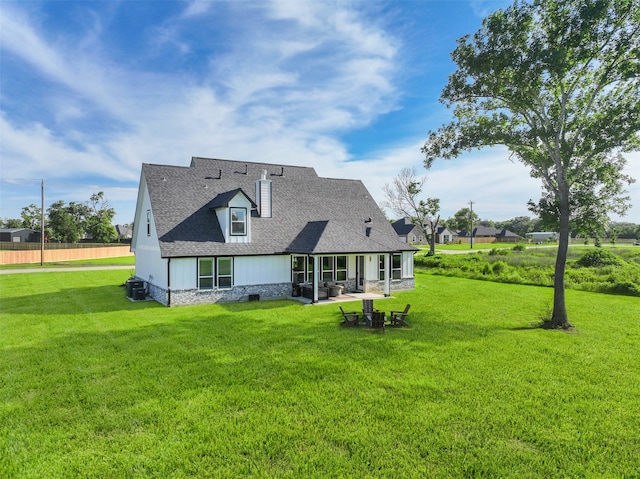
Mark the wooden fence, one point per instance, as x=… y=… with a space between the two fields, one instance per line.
x=67 y=254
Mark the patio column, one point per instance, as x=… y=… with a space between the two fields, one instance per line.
x=316 y=276
x=387 y=274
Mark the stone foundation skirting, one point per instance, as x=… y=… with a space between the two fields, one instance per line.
x=405 y=284
x=236 y=294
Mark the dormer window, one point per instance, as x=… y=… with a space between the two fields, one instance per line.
x=238 y=221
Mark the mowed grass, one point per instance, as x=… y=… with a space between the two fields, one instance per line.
x=93 y=385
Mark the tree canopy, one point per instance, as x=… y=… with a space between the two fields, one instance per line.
x=558 y=83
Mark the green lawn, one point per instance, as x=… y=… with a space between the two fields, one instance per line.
x=92 y=385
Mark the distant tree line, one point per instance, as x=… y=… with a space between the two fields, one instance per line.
x=70 y=223
x=522 y=225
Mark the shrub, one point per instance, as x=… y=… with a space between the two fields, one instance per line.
x=626 y=288
x=499 y=267
x=597 y=258
x=519 y=247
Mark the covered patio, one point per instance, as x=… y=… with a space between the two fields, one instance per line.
x=343 y=298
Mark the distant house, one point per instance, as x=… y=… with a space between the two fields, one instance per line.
x=540 y=236
x=223 y=231
x=19 y=235
x=124 y=232
x=445 y=235
x=408 y=232
x=411 y=233
x=489 y=234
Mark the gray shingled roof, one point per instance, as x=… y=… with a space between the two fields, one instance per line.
x=310 y=214
x=403 y=226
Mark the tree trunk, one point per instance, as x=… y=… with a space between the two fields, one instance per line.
x=560 y=319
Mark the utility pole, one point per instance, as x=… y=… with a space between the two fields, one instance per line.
x=471 y=221
x=42 y=224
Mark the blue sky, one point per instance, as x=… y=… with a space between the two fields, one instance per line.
x=91 y=90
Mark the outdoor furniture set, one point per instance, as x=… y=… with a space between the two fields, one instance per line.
x=326 y=290
x=374 y=318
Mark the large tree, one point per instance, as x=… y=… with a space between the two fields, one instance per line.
x=402 y=197
x=31 y=217
x=100 y=217
x=557 y=83
x=67 y=223
x=464 y=219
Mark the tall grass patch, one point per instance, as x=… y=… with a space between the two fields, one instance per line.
x=610 y=270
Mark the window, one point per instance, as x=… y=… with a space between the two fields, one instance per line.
x=205 y=273
x=238 y=221
x=302 y=269
x=309 y=269
x=396 y=266
x=148 y=222
x=223 y=273
x=327 y=268
x=298 y=269
x=332 y=268
x=224 y=278
x=381 y=267
x=341 y=268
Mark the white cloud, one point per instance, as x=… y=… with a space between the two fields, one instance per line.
x=196 y=7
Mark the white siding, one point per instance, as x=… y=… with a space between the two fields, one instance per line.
x=249 y=270
x=371 y=269
x=150 y=266
x=407 y=264
x=184 y=273
x=351 y=267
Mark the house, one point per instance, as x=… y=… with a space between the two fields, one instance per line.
x=489 y=234
x=408 y=232
x=19 y=235
x=542 y=236
x=224 y=231
x=124 y=232
x=445 y=235
x=411 y=233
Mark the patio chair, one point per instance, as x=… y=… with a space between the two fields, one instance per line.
x=351 y=318
x=398 y=317
x=368 y=310
x=377 y=320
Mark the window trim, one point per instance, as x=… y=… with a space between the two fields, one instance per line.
x=330 y=270
x=148 y=222
x=201 y=276
x=233 y=222
x=397 y=270
x=215 y=275
x=381 y=275
x=218 y=275
x=306 y=271
x=340 y=270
